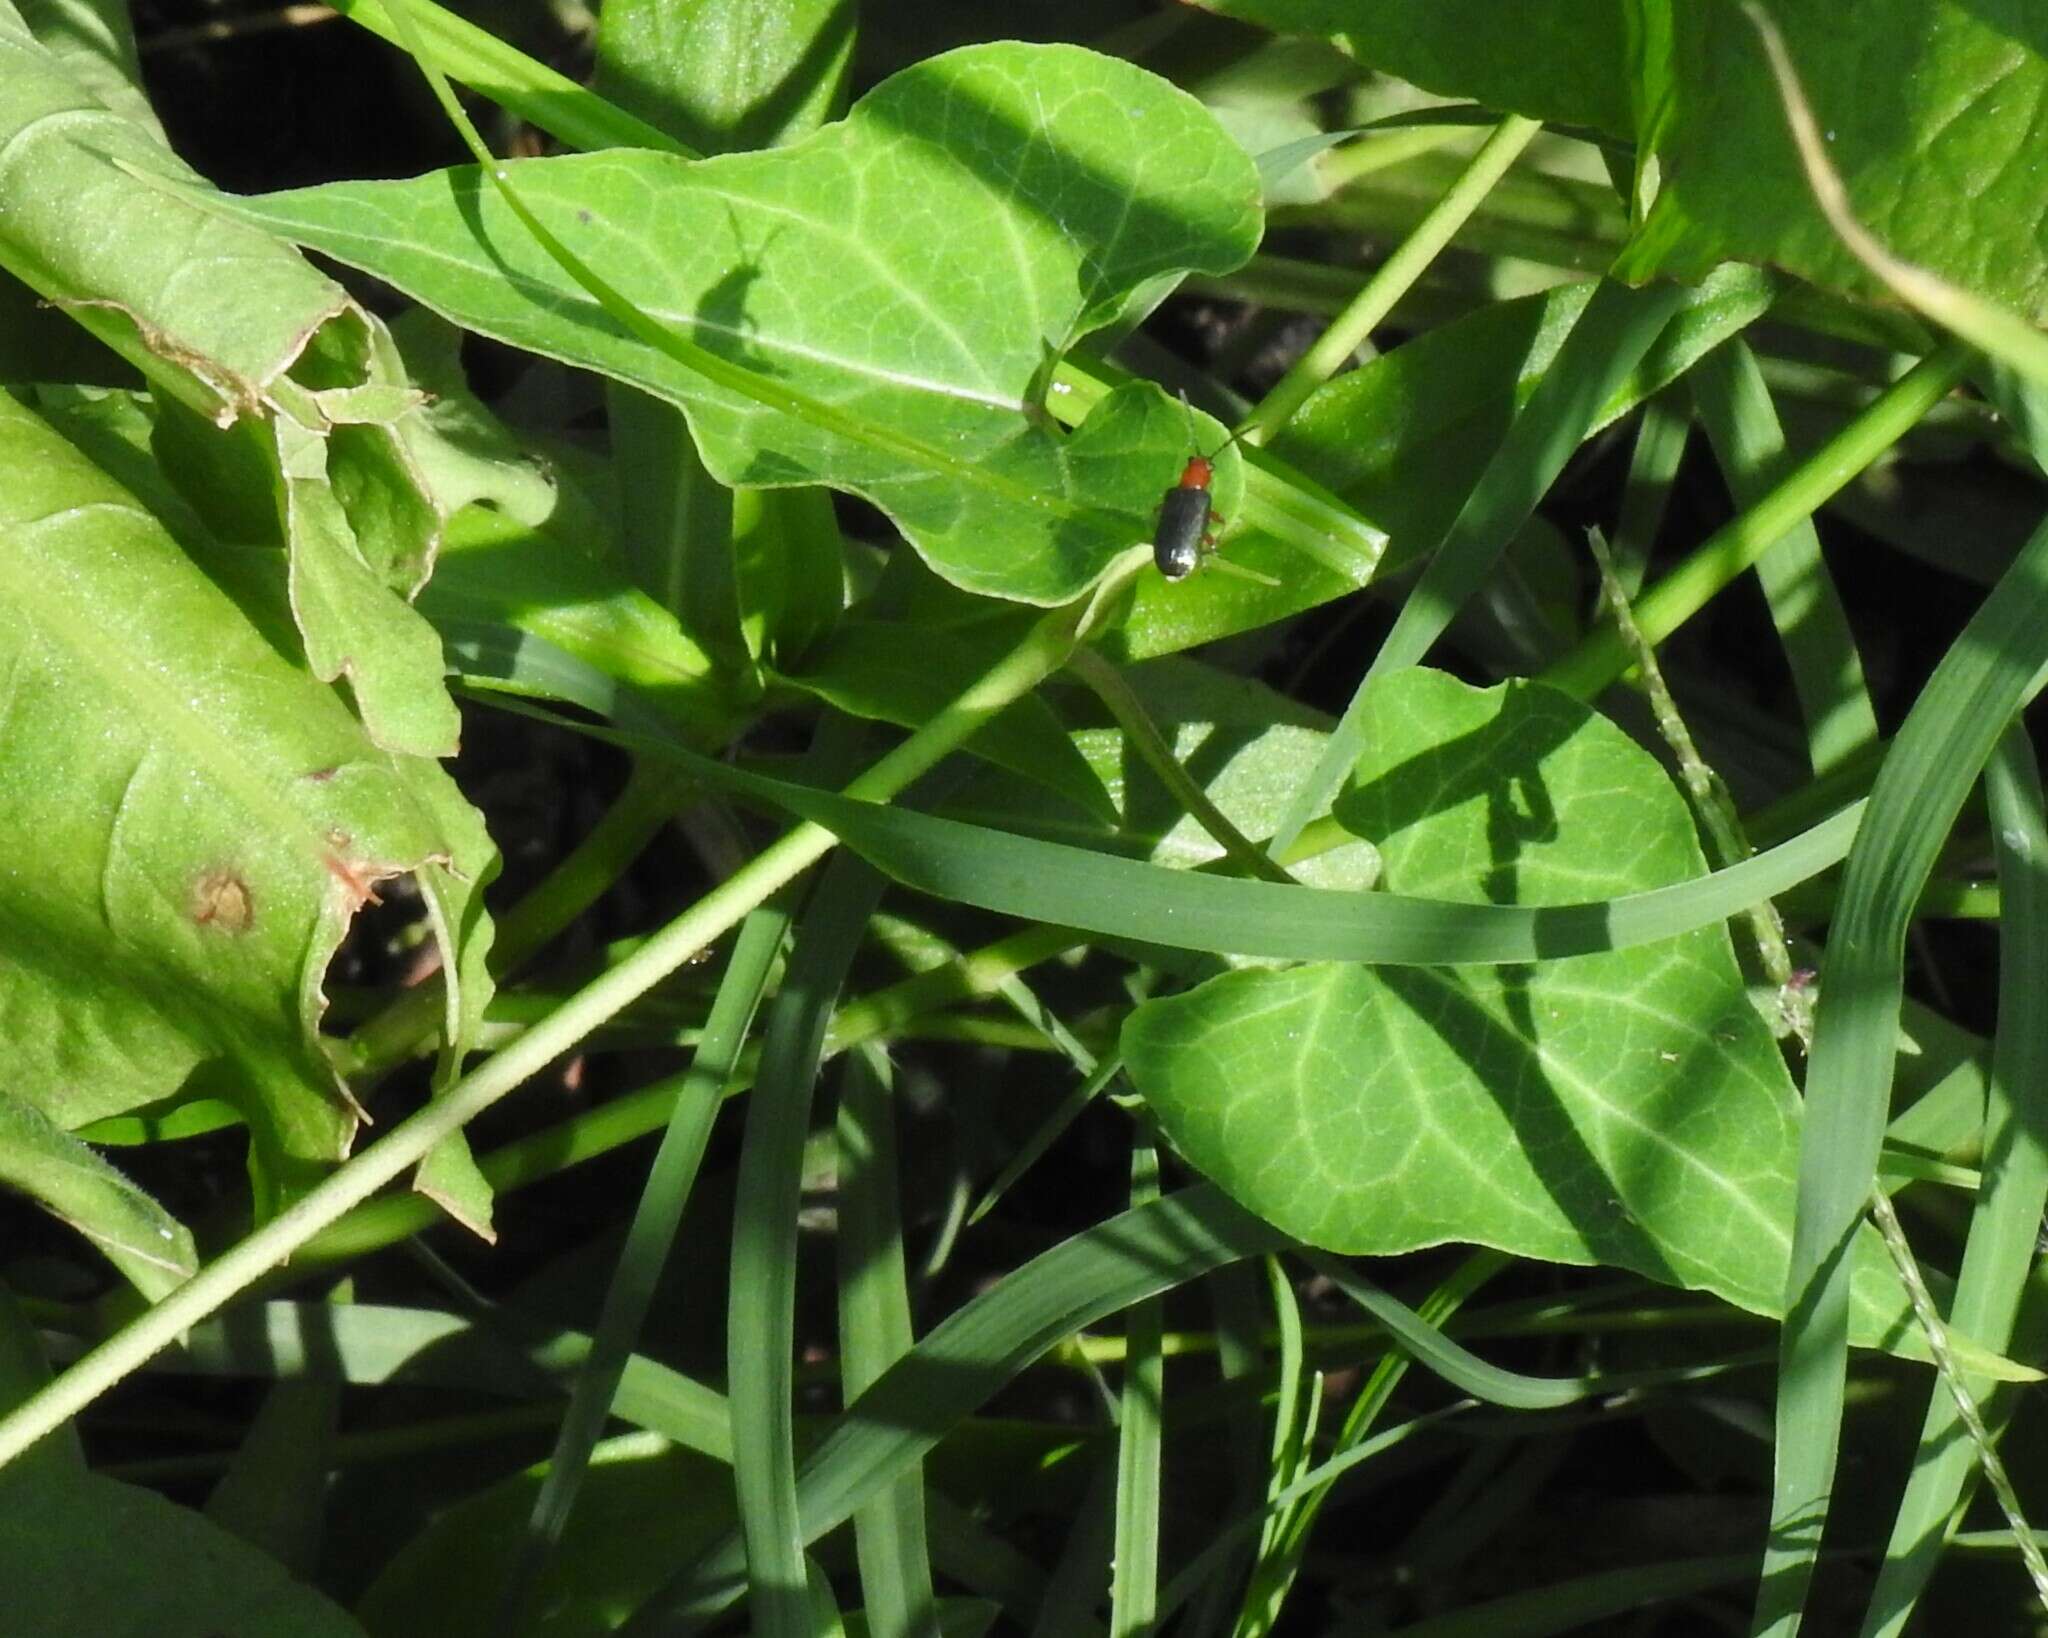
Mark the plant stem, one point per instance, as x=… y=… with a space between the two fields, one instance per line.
x=1372 y=304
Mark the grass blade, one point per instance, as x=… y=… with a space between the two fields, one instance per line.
x=2001 y=1246
x=648 y=1239
x=1736 y=411
x=1947 y=738
x=760 y=1337
x=971 y=1355
x=874 y=1332
x=1134 y=1585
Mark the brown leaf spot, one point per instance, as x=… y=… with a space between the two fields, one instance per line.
x=220 y=899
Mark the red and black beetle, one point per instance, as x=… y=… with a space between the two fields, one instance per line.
x=1184 y=535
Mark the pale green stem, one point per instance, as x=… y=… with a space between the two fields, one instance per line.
x=1352 y=327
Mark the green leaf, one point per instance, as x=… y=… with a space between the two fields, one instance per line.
x=902 y=281
x=451 y=1575
x=1924 y=106
x=890 y=672
x=464 y=452
x=151 y=1248
x=236 y=326
x=96 y=43
x=1564 y=60
x=498 y=580
x=725 y=75
x=1625 y=1108
x=68 y=163
x=80 y=1553
x=193 y=820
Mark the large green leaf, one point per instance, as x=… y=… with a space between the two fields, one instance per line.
x=1928 y=109
x=498 y=579
x=237 y=327
x=725 y=75
x=84 y=1554
x=910 y=273
x=191 y=820
x=1550 y=59
x=448 y=1578
x=1627 y=1108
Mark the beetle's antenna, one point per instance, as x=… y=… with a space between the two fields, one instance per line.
x=1195 y=448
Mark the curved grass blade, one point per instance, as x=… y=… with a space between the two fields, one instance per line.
x=1095 y=892
x=1735 y=409
x=874 y=1332
x=542 y=96
x=1989 y=672
x=1456 y=1364
x=2002 y=1243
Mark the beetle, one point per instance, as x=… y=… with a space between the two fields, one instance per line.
x=1185 y=532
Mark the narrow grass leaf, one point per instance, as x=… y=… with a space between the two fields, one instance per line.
x=1572 y=1606
x=1734 y=547
x=2004 y=1230
x=874 y=1332
x=1741 y=423
x=1987 y=674
x=507 y=76
x=649 y=1239
x=1070 y=887
x=970 y=1356
x=1141 y=1412
x=1074 y=1591
x=1652 y=467
x=760 y=1329
x=1456 y=1364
